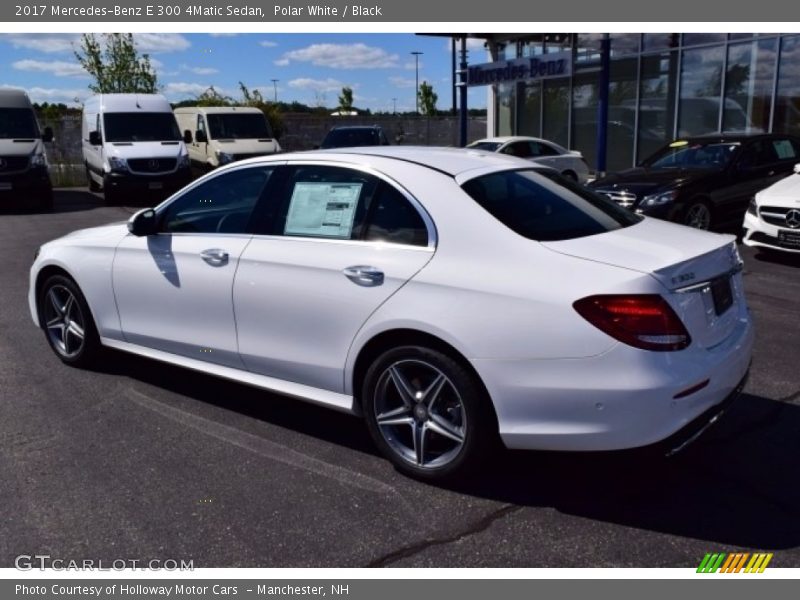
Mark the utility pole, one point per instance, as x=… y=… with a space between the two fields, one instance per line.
x=394 y=106
x=416 y=54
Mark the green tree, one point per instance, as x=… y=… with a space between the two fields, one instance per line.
x=116 y=65
x=212 y=97
x=346 y=99
x=427 y=99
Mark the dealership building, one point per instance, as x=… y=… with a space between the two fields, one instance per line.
x=637 y=91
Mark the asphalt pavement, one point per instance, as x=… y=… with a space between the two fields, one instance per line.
x=139 y=460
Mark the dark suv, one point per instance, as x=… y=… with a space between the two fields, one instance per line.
x=704 y=182
x=357 y=135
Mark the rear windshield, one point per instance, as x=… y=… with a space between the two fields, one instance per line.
x=347 y=138
x=543 y=206
x=241 y=126
x=141 y=127
x=17 y=123
x=488 y=146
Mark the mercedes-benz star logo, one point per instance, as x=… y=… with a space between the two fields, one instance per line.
x=793 y=218
x=3 y=164
x=152 y=164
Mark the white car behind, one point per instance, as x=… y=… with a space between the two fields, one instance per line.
x=569 y=163
x=772 y=221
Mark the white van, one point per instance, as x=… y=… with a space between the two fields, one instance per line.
x=132 y=145
x=223 y=134
x=24 y=179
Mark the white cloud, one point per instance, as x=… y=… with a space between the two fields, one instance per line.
x=200 y=70
x=157 y=43
x=472 y=44
x=341 y=56
x=402 y=82
x=412 y=66
x=318 y=85
x=59 y=68
x=181 y=90
x=222 y=34
x=47 y=42
x=267 y=43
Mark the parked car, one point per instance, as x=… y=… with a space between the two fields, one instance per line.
x=132 y=145
x=447 y=296
x=354 y=136
x=704 y=182
x=772 y=220
x=24 y=180
x=569 y=163
x=222 y=134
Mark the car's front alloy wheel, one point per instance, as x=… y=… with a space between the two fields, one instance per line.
x=427 y=413
x=698 y=215
x=67 y=322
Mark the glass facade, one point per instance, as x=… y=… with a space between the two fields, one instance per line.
x=661 y=86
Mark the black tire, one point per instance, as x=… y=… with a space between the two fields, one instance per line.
x=111 y=196
x=74 y=351
x=699 y=214
x=460 y=404
x=93 y=185
x=46 y=202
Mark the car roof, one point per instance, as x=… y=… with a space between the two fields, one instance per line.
x=731 y=137
x=217 y=109
x=503 y=139
x=450 y=161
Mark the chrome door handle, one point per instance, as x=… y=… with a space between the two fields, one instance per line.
x=364 y=275
x=215 y=257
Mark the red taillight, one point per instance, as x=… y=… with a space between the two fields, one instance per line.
x=643 y=320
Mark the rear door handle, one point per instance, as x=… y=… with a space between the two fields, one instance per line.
x=364 y=275
x=215 y=257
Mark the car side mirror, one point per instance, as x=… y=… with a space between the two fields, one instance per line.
x=95 y=139
x=797 y=168
x=47 y=136
x=187 y=137
x=143 y=223
x=200 y=136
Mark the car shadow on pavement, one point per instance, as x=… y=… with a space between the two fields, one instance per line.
x=74 y=200
x=786 y=259
x=737 y=485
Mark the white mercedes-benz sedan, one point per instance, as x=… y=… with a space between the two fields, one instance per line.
x=772 y=221
x=450 y=297
x=570 y=163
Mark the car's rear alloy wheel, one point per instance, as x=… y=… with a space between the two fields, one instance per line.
x=67 y=322
x=426 y=412
x=698 y=215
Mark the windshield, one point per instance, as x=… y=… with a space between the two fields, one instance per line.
x=17 y=123
x=544 y=206
x=693 y=155
x=345 y=138
x=141 y=127
x=488 y=146
x=242 y=126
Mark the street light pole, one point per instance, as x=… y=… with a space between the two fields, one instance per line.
x=394 y=106
x=275 y=86
x=416 y=54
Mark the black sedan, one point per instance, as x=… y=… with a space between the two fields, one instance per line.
x=704 y=182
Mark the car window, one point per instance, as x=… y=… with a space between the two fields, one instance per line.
x=346 y=204
x=539 y=149
x=784 y=149
x=682 y=154
x=391 y=218
x=546 y=207
x=757 y=154
x=222 y=204
x=520 y=149
x=201 y=124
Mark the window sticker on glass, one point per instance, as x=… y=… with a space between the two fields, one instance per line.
x=784 y=149
x=322 y=209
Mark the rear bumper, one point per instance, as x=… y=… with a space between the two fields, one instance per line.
x=624 y=398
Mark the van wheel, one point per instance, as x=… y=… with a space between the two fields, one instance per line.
x=46 y=202
x=93 y=185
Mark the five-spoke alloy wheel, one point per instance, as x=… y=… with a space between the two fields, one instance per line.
x=67 y=322
x=427 y=412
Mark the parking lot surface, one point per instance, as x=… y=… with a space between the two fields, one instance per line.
x=139 y=460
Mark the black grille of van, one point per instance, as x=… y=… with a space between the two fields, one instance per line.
x=10 y=164
x=152 y=165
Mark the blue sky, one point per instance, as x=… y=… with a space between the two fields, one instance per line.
x=311 y=68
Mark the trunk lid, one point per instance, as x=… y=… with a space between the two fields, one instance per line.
x=697 y=269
